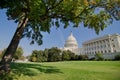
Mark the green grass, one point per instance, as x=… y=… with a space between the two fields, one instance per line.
x=71 y=70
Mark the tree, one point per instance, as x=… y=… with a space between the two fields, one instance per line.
x=34 y=16
x=54 y=54
x=83 y=57
x=40 y=56
x=117 y=57
x=65 y=56
x=19 y=53
x=45 y=55
x=33 y=57
x=72 y=55
x=68 y=55
x=99 y=56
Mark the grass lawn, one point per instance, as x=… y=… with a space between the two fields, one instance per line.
x=69 y=70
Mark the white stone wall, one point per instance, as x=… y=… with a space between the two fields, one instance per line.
x=105 y=44
x=108 y=46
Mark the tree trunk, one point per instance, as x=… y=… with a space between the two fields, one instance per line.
x=8 y=55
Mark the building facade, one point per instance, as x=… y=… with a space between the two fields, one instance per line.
x=105 y=44
x=108 y=46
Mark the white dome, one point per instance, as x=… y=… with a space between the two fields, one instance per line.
x=71 y=42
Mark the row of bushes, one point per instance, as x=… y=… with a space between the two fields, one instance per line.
x=99 y=57
x=55 y=54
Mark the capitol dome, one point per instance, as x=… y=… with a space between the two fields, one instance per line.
x=71 y=42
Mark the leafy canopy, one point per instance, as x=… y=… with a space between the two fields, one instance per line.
x=42 y=14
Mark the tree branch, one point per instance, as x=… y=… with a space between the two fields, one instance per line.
x=56 y=4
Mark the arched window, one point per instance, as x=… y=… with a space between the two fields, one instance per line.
x=115 y=51
x=109 y=51
x=105 y=51
x=102 y=52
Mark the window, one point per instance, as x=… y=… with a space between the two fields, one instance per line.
x=113 y=45
x=107 y=40
x=95 y=52
x=109 y=51
x=105 y=51
x=97 y=46
x=89 y=52
x=115 y=51
x=101 y=51
x=104 y=45
x=112 y=40
x=103 y=41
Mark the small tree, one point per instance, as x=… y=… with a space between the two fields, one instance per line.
x=54 y=54
x=99 y=56
x=65 y=56
x=19 y=53
x=40 y=56
x=72 y=55
x=83 y=57
x=33 y=57
x=117 y=57
x=45 y=55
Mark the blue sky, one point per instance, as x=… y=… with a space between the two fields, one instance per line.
x=56 y=38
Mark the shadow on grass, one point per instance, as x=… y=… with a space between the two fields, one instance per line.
x=30 y=69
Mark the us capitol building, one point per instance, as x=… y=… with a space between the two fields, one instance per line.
x=108 y=46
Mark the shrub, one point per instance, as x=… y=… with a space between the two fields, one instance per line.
x=117 y=57
x=99 y=57
x=92 y=59
x=83 y=57
x=34 y=59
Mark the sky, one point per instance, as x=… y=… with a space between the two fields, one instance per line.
x=56 y=37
